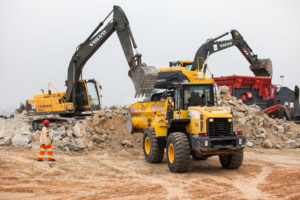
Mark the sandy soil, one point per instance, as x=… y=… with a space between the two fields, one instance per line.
x=265 y=174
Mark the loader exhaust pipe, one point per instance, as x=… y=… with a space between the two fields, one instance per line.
x=262 y=67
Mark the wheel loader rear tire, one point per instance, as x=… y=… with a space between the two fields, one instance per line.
x=178 y=152
x=153 y=153
x=232 y=161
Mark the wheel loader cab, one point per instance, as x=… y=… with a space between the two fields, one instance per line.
x=197 y=95
x=88 y=95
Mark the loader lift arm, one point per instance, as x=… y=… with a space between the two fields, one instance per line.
x=260 y=67
x=143 y=77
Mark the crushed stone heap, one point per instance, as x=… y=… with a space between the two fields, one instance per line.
x=106 y=129
x=258 y=127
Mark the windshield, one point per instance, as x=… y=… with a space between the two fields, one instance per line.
x=198 y=95
x=174 y=64
x=93 y=94
x=81 y=99
x=188 y=66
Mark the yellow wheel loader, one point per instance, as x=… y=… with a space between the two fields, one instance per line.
x=185 y=120
x=85 y=95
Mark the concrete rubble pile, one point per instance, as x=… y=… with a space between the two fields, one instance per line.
x=107 y=130
x=259 y=128
x=104 y=130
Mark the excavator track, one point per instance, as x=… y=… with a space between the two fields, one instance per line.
x=37 y=124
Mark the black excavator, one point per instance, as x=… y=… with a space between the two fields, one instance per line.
x=142 y=76
x=84 y=95
x=260 y=67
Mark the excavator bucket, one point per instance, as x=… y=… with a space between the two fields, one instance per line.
x=144 y=79
x=263 y=67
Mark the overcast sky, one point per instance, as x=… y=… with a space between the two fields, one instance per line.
x=39 y=37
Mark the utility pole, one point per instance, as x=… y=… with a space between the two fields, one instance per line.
x=281 y=80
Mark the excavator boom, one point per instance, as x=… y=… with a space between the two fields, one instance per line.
x=142 y=76
x=260 y=67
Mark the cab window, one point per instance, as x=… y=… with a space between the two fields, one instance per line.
x=81 y=96
x=188 y=66
x=93 y=94
x=198 y=95
x=178 y=99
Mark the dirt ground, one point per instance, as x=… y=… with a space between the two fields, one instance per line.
x=265 y=174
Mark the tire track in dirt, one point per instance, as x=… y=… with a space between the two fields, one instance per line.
x=124 y=174
x=282 y=183
x=140 y=172
x=249 y=186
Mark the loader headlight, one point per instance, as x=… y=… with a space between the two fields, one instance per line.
x=229 y=120
x=211 y=120
x=240 y=141
x=206 y=143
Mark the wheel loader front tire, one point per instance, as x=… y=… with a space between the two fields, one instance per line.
x=232 y=161
x=178 y=152
x=153 y=153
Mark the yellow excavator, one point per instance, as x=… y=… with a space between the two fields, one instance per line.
x=178 y=71
x=85 y=95
x=185 y=120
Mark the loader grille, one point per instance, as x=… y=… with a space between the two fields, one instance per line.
x=219 y=127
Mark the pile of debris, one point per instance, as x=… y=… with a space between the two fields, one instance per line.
x=14 y=132
x=107 y=130
x=259 y=128
x=104 y=130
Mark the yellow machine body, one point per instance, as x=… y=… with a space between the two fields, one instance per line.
x=199 y=115
x=183 y=120
x=193 y=76
x=148 y=114
x=145 y=114
x=55 y=103
x=51 y=103
x=154 y=113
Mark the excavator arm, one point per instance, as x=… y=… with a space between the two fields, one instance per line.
x=260 y=67
x=143 y=77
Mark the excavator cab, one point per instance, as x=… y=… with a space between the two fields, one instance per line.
x=186 y=64
x=87 y=98
x=88 y=95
